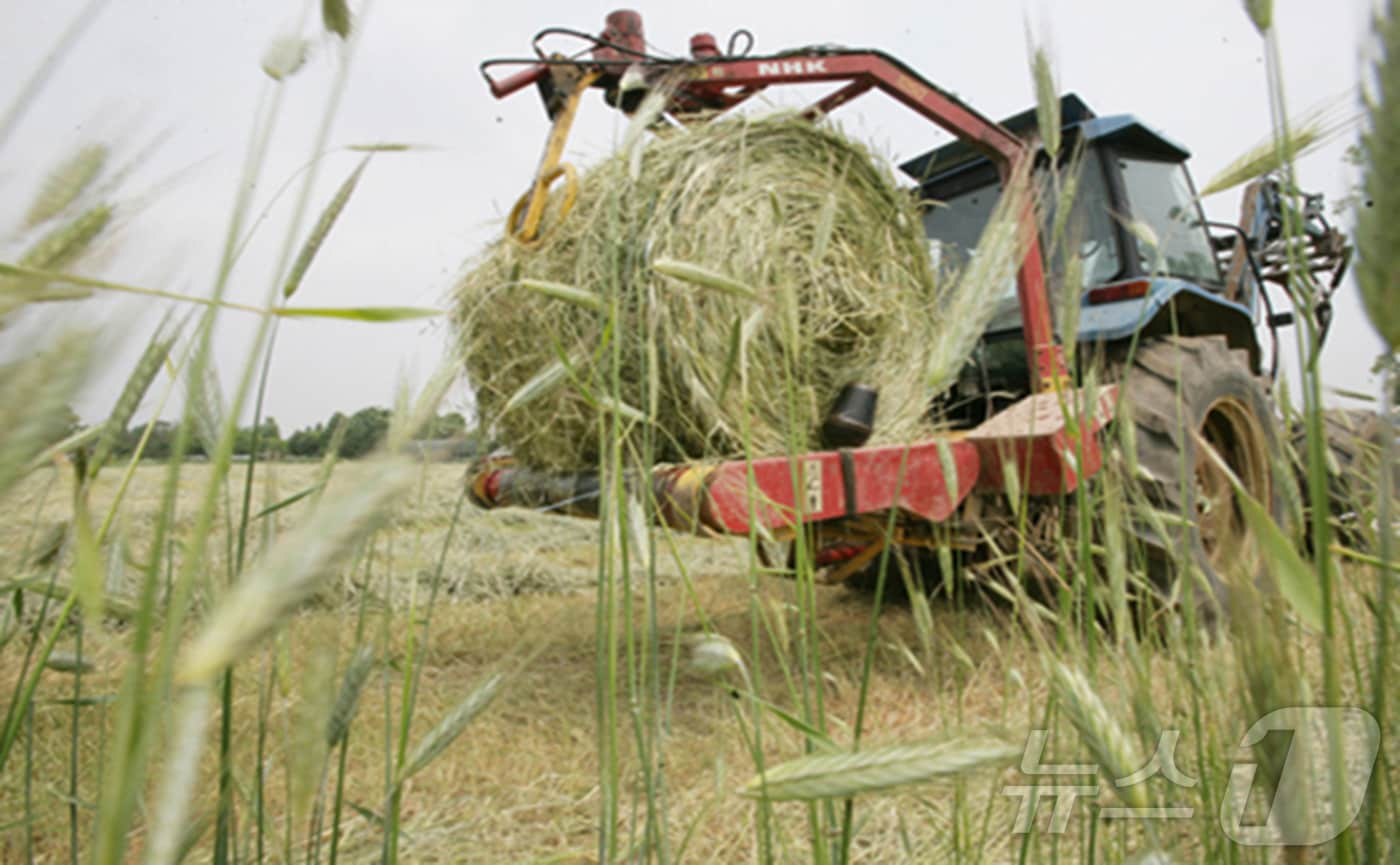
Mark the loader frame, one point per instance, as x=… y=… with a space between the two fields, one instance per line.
x=1049 y=440
x=719 y=84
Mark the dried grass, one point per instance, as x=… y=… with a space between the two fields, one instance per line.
x=747 y=270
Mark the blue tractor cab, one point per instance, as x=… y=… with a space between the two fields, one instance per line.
x=1148 y=264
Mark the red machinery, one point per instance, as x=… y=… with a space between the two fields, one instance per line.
x=1037 y=437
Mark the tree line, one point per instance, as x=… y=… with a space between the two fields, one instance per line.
x=358 y=433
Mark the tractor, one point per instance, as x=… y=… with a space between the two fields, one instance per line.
x=1169 y=311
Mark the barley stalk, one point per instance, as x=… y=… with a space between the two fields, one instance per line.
x=137 y=384
x=206 y=406
x=1378 y=226
x=585 y=299
x=1113 y=749
x=970 y=302
x=9 y=626
x=385 y=147
x=284 y=57
x=322 y=229
x=292 y=572
x=1047 y=99
x=67 y=662
x=449 y=728
x=347 y=699
x=177 y=787
x=34 y=398
x=833 y=776
x=313 y=716
x=696 y=275
x=410 y=419
x=65 y=183
x=1316 y=128
x=34 y=83
x=357 y=313
x=543 y=382
x=1261 y=12
x=336 y=18
x=41 y=276
x=66 y=243
x=88 y=582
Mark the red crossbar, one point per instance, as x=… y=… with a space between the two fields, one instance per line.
x=833 y=484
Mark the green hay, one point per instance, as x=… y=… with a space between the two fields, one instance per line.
x=818 y=275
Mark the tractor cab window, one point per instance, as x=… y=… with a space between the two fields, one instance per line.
x=957 y=215
x=954 y=223
x=1087 y=231
x=1166 y=221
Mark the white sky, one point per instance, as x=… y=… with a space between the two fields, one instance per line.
x=188 y=73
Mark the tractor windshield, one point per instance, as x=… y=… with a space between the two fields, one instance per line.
x=1167 y=222
x=1087 y=232
x=954 y=223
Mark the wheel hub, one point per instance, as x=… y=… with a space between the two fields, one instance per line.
x=1233 y=431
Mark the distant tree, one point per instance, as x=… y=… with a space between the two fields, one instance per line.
x=269 y=440
x=195 y=447
x=159 y=445
x=129 y=439
x=334 y=423
x=364 y=430
x=308 y=442
x=444 y=426
x=271 y=437
x=66 y=425
x=161 y=441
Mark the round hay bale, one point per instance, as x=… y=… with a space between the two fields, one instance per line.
x=813 y=272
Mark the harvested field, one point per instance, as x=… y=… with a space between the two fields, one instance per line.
x=521 y=784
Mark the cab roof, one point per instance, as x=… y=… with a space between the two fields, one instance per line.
x=1078 y=121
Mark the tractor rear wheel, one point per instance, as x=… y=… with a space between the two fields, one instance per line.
x=1184 y=394
x=1353 y=439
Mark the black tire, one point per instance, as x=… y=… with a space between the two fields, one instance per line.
x=1177 y=389
x=1353 y=441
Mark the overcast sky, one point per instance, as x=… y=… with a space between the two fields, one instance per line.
x=187 y=74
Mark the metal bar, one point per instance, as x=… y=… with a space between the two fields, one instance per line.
x=553 y=152
x=833 y=101
x=882 y=71
x=518 y=81
x=927 y=480
x=1043 y=352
